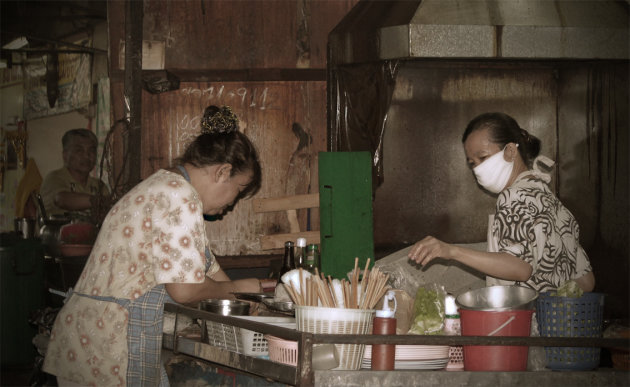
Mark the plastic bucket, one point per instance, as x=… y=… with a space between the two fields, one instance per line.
x=489 y=323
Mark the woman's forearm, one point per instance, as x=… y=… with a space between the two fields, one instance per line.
x=190 y=293
x=499 y=265
x=209 y=288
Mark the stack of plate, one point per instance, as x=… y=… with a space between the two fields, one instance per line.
x=413 y=357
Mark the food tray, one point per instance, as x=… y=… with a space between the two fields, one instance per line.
x=244 y=341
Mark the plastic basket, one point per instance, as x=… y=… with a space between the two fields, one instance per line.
x=244 y=341
x=282 y=351
x=570 y=317
x=455 y=358
x=315 y=319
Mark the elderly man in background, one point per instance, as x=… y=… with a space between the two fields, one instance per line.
x=71 y=189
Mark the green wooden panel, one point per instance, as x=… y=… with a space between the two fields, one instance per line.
x=345 y=200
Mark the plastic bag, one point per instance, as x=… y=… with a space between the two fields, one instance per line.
x=428 y=310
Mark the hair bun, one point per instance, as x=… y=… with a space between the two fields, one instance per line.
x=525 y=135
x=218 y=120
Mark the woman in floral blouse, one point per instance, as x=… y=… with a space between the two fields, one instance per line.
x=533 y=240
x=152 y=248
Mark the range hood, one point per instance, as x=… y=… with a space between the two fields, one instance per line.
x=493 y=29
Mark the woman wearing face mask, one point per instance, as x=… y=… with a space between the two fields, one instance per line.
x=152 y=248
x=532 y=238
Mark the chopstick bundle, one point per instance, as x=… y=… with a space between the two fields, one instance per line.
x=319 y=290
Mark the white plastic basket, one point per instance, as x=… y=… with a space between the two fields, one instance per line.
x=315 y=319
x=282 y=351
x=244 y=341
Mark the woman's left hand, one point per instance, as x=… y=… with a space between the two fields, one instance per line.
x=428 y=249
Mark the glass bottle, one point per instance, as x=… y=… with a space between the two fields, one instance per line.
x=312 y=258
x=300 y=253
x=288 y=261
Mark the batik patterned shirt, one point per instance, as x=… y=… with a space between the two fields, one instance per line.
x=154 y=235
x=532 y=224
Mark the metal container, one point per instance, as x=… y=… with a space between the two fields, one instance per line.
x=282 y=306
x=25 y=227
x=498 y=298
x=225 y=307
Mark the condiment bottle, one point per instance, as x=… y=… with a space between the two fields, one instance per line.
x=384 y=355
x=452 y=327
x=312 y=259
x=288 y=261
x=300 y=253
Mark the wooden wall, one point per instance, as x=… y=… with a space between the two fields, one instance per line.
x=265 y=59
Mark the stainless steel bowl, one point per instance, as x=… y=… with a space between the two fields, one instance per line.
x=282 y=306
x=498 y=298
x=225 y=307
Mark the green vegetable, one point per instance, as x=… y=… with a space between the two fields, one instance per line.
x=428 y=312
x=569 y=289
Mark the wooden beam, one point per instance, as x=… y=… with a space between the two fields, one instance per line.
x=294 y=225
x=276 y=241
x=240 y=75
x=286 y=203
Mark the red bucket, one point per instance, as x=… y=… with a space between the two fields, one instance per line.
x=490 y=323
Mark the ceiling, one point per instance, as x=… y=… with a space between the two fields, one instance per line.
x=46 y=23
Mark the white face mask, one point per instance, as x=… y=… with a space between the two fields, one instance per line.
x=494 y=172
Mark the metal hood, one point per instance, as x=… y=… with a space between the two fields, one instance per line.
x=492 y=29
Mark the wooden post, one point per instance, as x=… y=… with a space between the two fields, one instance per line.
x=132 y=137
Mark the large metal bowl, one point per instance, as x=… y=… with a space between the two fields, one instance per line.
x=498 y=298
x=225 y=307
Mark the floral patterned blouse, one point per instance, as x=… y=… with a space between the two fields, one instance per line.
x=154 y=235
x=532 y=224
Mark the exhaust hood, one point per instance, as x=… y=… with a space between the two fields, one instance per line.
x=492 y=29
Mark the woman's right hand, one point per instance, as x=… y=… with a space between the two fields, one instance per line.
x=428 y=249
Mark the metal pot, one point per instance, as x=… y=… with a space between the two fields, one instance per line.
x=498 y=298
x=50 y=227
x=225 y=307
x=49 y=234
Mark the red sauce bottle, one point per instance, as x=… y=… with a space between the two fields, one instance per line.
x=384 y=355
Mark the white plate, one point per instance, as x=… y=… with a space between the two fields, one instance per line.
x=415 y=352
x=433 y=364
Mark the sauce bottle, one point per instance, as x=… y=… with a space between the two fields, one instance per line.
x=300 y=253
x=288 y=261
x=312 y=259
x=384 y=355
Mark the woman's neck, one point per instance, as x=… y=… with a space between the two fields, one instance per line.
x=519 y=167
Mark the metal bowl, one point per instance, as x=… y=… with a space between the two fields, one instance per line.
x=225 y=307
x=498 y=298
x=282 y=306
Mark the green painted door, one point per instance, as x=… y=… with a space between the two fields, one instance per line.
x=345 y=200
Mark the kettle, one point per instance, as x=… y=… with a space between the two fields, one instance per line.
x=50 y=228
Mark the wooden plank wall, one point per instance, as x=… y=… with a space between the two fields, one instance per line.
x=215 y=47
